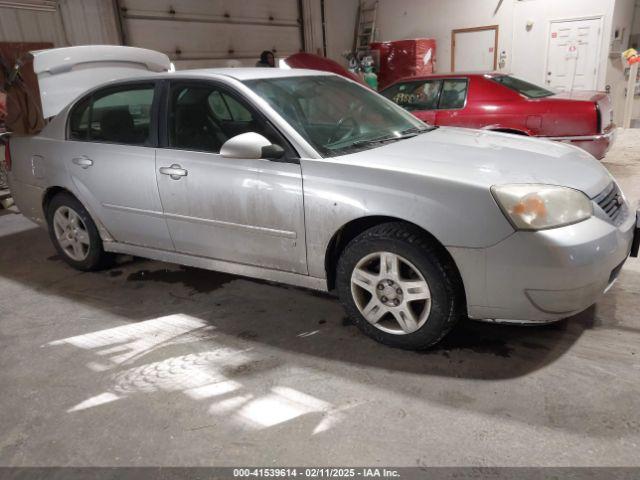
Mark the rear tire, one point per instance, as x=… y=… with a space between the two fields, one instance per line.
x=75 y=235
x=400 y=287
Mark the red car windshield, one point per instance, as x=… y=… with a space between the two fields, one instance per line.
x=525 y=88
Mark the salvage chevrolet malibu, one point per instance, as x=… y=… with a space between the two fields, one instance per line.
x=310 y=179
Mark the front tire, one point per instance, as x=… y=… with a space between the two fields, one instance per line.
x=75 y=235
x=400 y=287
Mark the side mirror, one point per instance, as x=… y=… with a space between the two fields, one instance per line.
x=252 y=146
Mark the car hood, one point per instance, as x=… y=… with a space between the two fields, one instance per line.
x=488 y=158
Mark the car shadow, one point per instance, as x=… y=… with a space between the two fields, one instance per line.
x=289 y=319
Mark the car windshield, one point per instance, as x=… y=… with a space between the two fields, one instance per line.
x=337 y=116
x=525 y=88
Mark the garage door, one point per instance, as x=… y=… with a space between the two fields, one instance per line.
x=219 y=33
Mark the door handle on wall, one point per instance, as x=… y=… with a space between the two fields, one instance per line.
x=175 y=171
x=83 y=161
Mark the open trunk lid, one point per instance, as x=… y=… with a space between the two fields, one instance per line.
x=65 y=73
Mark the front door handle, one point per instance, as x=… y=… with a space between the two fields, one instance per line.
x=83 y=161
x=175 y=171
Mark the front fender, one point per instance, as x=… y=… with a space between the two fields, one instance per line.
x=457 y=214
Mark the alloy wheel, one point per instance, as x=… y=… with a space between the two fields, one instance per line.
x=391 y=293
x=71 y=233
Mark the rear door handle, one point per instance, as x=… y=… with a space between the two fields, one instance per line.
x=175 y=171
x=83 y=161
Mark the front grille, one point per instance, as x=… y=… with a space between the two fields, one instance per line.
x=612 y=202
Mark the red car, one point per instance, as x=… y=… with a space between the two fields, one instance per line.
x=504 y=103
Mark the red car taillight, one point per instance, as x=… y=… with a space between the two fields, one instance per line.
x=7 y=156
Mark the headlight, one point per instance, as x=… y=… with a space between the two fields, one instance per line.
x=536 y=207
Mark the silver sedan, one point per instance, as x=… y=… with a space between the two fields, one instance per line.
x=312 y=180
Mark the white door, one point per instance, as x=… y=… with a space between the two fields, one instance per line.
x=572 y=59
x=474 y=50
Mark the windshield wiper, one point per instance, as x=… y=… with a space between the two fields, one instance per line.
x=404 y=134
x=386 y=138
x=418 y=130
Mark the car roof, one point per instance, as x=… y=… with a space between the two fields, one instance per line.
x=254 y=73
x=457 y=74
x=448 y=75
x=240 y=73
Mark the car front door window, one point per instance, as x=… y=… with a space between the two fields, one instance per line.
x=203 y=117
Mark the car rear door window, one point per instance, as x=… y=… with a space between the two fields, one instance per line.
x=454 y=94
x=120 y=115
x=79 y=121
x=417 y=95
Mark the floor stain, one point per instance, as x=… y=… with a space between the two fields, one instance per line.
x=466 y=338
x=199 y=281
x=115 y=273
x=494 y=346
x=248 y=335
x=55 y=258
x=250 y=368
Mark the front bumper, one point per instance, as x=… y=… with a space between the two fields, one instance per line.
x=544 y=276
x=596 y=145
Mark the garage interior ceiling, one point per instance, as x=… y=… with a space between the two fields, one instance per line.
x=196 y=31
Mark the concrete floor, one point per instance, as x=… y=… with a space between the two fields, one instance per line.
x=153 y=364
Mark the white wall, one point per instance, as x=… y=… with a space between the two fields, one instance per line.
x=622 y=20
x=401 y=19
x=525 y=49
x=529 y=48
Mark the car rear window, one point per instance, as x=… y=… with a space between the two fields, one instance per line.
x=525 y=88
